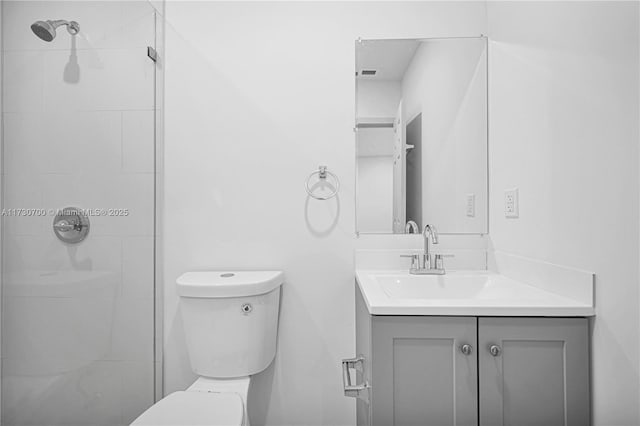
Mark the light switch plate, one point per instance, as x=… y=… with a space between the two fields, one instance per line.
x=511 y=208
x=471 y=205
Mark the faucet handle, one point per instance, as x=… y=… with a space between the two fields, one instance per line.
x=415 y=260
x=439 y=260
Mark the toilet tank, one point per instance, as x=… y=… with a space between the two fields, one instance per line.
x=230 y=320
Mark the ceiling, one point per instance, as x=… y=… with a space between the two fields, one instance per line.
x=390 y=58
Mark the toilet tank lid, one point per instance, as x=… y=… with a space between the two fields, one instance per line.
x=221 y=284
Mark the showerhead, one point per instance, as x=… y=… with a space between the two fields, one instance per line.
x=46 y=30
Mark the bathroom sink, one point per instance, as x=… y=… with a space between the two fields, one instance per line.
x=473 y=293
x=433 y=286
x=456 y=285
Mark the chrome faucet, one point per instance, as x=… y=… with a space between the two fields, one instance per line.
x=430 y=264
x=430 y=233
x=411 y=228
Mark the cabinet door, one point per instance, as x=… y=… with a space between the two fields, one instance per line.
x=363 y=349
x=538 y=373
x=420 y=375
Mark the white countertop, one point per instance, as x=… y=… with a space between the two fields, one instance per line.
x=463 y=293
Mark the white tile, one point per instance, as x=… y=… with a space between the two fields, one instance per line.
x=134 y=192
x=137 y=388
x=136 y=27
x=79 y=141
x=23 y=81
x=138 y=130
x=45 y=335
x=22 y=209
x=88 y=396
x=133 y=331
x=137 y=268
x=46 y=253
x=24 y=137
x=103 y=24
x=63 y=142
x=119 y=79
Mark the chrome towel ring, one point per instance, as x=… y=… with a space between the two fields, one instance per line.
x=322 y=173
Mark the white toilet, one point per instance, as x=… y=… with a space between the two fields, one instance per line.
x=231 y=324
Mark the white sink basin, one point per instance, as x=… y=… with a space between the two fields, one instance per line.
x=473 y=293
x=456 y=285
x=433 y=286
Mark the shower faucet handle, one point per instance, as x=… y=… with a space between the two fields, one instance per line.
x=71 y=225
x=64 y=226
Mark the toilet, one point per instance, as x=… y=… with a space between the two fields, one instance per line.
x=231 y=324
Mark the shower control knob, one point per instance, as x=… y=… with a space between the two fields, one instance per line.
x=71 y=225
x=63 y=226
x=466 y=349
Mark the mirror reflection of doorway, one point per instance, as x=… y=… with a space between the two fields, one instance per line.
x=414 y=170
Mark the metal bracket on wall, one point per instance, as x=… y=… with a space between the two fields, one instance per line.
x=152 y=53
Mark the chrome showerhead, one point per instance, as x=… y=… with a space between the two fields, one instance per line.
x=46 y=30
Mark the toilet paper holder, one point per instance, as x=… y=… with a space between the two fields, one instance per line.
x=354 y=390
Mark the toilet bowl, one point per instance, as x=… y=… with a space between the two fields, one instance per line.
x=230 y=323
x=195 y=408
x=207 y=401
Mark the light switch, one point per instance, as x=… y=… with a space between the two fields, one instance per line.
x=511 y=203
x=471 y=205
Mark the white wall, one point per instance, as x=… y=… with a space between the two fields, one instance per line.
x=378 y=98
x=375 y=141
x=257 y=95
x=376 y=101
x=375 y=194
x=446 y=81
x=375 y=161
x=564 y=130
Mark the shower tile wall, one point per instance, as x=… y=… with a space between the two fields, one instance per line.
x=78 y=321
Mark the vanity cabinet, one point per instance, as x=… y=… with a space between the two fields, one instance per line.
x=487 y=371
x=538 y=373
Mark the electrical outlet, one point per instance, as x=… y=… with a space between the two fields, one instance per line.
x=511 y=203
x=471 y=205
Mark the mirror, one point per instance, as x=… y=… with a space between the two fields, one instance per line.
x=421 y=135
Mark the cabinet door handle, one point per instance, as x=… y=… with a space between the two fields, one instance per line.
x=495 y=350
x=466 y=349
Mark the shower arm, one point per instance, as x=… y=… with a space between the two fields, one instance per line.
x=72 y=26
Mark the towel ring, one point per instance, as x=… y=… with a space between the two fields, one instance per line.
x=322 y=173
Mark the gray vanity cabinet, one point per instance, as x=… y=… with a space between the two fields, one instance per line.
x=425 y=373
x=418 y=370
x=533 y=371
x=515 y=371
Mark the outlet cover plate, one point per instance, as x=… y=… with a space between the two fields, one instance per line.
x=511 y=207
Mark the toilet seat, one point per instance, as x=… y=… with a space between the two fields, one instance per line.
x=189 y=408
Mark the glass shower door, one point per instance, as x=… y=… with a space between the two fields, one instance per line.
x=78 y=329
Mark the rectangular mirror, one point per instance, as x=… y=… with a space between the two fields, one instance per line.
x=421 y=135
